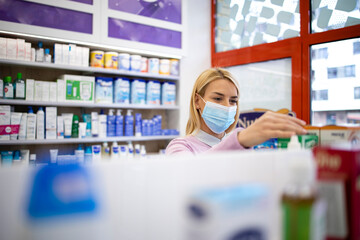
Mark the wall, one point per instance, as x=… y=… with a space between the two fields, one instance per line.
x=197 y=52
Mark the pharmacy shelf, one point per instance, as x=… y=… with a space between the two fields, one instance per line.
x=86 y=105
x=86 y=140
x=88 y=69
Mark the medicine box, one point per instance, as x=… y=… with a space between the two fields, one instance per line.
x=58 y=52
x=20 y=49
x=122 y=90
x=78 y=88
x=153 y=89
x=30 y=87
x=336 y=134
x=306 y=141
x=168 y=93
x=50 y=124
x=138 y=91
x=2 y=47
x=11 y=48
x=5 y=128
x=338 y=174
x=103 y=90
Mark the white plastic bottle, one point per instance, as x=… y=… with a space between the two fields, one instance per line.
x=294 y=143
x=130 y=154
x=142 y=152
x=137 y=150
x=115 y=152
x=39 y=53
x=94 y=124
x=40 y=124
x=102 y=124
x=31 y=125
x=47 y=57
x=105 y=152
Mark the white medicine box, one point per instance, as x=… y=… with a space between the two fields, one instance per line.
x=78 y=88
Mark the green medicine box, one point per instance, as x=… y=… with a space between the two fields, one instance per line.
x=306 y=141
x=79 y=88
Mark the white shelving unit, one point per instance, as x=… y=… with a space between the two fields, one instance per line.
x=86 y=105
x=86 y=140
x=88 y=69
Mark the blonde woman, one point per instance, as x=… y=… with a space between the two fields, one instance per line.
x=214 y=113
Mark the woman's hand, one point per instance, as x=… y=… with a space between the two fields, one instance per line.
x=270 y=125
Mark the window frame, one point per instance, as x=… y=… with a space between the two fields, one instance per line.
x=298 y=49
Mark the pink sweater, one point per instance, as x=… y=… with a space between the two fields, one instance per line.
x=200 y=143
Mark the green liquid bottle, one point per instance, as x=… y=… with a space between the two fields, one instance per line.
x=75 y=127
x=8 y=88
x=19 y=87
x=298 y=201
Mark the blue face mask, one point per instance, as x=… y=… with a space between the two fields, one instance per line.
x=218 y=117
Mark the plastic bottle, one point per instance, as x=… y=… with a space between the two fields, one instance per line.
x=80 y=154
x=129 y=124
x=137 y=150
x=19 y=87
x=31 y=125
x=32 y=159
x=105 y=152
x=47 y=57
x=88 y=155
x=1 y=88
x=8 y=88
x=40 y=124
x=94 y=124
x=298 y=200
x=294 y=143
x=130 y=150
x=119 y=124
x=102 y=124
x=39 y=53
x=142 y=151
x=115 y=152
x=138 y=125
x=75 y=127
x=123 y=152
x=111 y=121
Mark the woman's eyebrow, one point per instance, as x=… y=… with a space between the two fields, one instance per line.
x=221 y=94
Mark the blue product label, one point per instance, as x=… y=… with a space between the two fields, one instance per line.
x=116 y=150
x=96 y=149
x=62 y=190
x=98 y=56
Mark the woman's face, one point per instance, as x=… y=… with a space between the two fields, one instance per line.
x=220 y=91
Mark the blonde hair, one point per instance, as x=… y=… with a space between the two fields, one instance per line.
x=206 y=77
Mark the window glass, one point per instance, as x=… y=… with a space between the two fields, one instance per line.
x=264 y=85
x=334 y=14
x=243 y=23
x=335 y=83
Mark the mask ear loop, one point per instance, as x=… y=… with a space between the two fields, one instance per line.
x=203 y=101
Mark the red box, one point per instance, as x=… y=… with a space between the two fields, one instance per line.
x=339 y=183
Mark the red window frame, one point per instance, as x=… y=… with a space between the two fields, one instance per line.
x=298 y=49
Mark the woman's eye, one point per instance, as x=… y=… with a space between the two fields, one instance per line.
x=217 y=99
x=233 y=101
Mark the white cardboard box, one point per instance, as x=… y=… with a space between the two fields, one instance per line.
x=53 y=92
x=50 y=124
x=2 y=47
x=11 y=48
x=27 y=51
x=38 y=91
x=20 y=49
x=30 y=87
x=60 y=90
x=45 y=91
x=78 y=88
x=58 y=53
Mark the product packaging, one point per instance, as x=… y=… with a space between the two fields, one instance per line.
x=27 y=51
x=85 y=56
x=30 y=87
x=60 y=127
x=53 y=92
x=339 y=134
x=164 y=68
x=31 y=125
x=138 y=91
x=102 y=124
x=111 y=124
x=168 y=93
x=22 y=130
x=306 y=141
x=45 y=86
x=51 y=119
x=111 y=60
x=78 y=59
x=153 y=89
x=15 y=119
x=96 y=153
x=38 y=91
x=20 y=55
x=65 y=54
x=174 y=67
x=124 y=61
x=103 y=90
x=40 y=124
x=138 y=125
x=61 y=90
x=94 y=124
x=58 y=53
x=122 y=90
x=68 y=118
x=144 y=65
x=11 y=48
x=78 y=88
x=5 y=116
x=3 y=49
x=135 y=63
x=153 y=66
x=233 y=212
x=72 y=54
x=129 y=123
x=338 y=175
x=97 y=59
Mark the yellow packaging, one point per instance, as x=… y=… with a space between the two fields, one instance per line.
x=164 y=68
x=111 y=60
x=335 y=134
x=97 y=59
